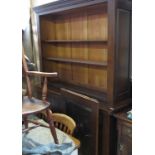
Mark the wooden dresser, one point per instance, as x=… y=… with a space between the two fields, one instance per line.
x=124 y=134
x=88 y=42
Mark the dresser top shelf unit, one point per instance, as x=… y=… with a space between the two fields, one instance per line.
x=88 y=43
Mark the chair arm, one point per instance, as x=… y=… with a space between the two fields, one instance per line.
x=44 y=74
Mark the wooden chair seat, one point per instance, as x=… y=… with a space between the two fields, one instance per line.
x=33 y=105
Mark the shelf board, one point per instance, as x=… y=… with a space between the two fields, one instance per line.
x=74 y=41
x=84 y=62
x=99 y=95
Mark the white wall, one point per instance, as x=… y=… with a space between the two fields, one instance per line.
x=40 y=2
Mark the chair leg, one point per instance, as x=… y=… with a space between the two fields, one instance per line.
x=25 y=122
x=51 y=125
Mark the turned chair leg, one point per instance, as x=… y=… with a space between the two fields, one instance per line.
x=51 y=125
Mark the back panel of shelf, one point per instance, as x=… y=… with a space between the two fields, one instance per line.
x=83 y=25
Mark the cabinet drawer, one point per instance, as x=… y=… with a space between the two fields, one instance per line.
x=127 y=131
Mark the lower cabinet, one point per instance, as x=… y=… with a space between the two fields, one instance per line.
x=96 y=127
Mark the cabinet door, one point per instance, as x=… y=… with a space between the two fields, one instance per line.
x=85 y=111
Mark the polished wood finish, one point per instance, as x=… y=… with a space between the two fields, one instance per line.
x=33 y=105
x=42 y=74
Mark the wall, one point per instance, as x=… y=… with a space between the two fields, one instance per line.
x=40 y=2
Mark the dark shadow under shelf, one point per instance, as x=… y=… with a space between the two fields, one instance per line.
x=75 y=41
x=99 y=95
x=75 y=61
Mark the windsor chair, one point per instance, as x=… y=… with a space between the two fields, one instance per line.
x=32 y=105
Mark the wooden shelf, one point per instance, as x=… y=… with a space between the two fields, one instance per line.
x=99 y=95
x=75 y=41
x=84 y=62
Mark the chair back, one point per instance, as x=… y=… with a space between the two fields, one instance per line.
x=25 y=70
x=64 y=123
x=61 y=121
